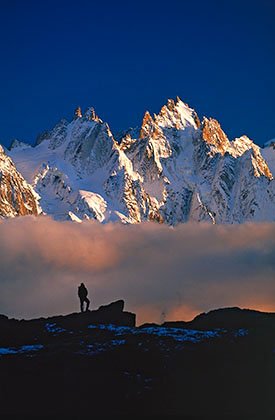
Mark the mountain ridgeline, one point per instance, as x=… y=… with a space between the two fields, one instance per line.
x=173 y=169
x=219 y=365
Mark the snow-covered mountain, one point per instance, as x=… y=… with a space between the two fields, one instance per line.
x=175 y=168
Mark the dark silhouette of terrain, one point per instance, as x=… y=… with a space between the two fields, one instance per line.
x=219 y=365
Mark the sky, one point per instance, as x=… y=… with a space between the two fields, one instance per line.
x=126 y=57
x=162 y=273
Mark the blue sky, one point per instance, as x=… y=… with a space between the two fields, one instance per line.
x=126 y=57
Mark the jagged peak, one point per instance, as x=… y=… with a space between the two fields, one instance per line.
x=91 y=115
x=260 y=167
x=184 y=109
x=147 y=117
x=259 y=164
x=77 y=113
x=41 y=137
x=131 y=132
x=179 y=101
x=46 y=135
x=17 y=197
x=18 y=144
x=6 y=163
x=244 y=138
x=171 y=104
x=270 y=143
x=240 y=145
x=177 y=114
x=126 y=142
x=214 y=136
x=147 y=125
x=4 y=153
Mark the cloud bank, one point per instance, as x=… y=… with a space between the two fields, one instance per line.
x=160 y=272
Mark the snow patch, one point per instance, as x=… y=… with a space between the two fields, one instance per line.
x=20 y=350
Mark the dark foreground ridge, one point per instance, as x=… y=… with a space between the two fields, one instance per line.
x=222 y=363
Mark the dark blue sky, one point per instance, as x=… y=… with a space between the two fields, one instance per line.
x=125 y=57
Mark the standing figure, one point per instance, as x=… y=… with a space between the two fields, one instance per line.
x=82 y=294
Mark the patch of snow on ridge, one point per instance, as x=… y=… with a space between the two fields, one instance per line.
x=178 y=334
x=119 y=330
x=53 y=328
x=20 y=350
x=242 y=332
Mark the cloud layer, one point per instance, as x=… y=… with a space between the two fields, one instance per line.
x=160 y=272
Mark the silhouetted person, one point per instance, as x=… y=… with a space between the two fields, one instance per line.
x=83 y=293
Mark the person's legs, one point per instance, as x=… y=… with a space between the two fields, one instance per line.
x=87 y=303
x=82 y=305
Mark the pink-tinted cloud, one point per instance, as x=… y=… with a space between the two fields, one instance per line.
x=160 y=272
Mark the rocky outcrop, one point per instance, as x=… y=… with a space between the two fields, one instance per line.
x=13 y=331
x=78 y=113
x=214 y=136
x=17 y=197
x=75 y=365
x=227 y=318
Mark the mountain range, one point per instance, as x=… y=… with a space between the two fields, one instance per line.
x=174 y=168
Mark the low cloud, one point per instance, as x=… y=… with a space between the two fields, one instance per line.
x=160 y=272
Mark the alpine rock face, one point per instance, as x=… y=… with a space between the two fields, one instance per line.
x=174 y=169
x=17 y=197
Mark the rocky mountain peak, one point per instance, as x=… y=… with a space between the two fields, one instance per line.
x=147 y=126
x=91 y=115
x=259 y=164
x=51 y=134
x=171 y=105
x=126 y=142
x=240 y=145
x=178 y=115
x=270 y=143
x=244 y=145
x=17 y=197
x=77 y=113
x=214 y=136
x=17 y=143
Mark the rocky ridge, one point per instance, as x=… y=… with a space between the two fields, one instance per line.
x=73 y=364
x=17 y=197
